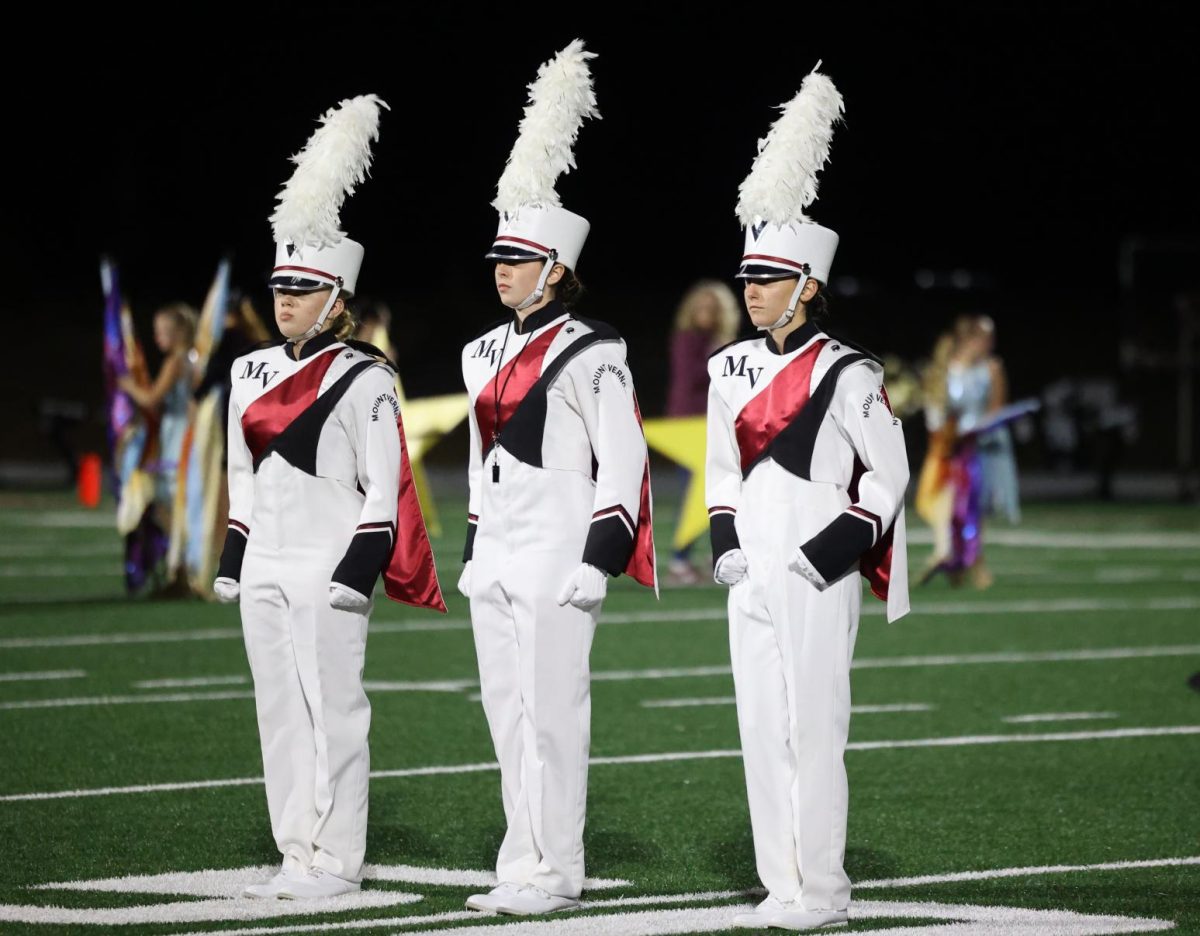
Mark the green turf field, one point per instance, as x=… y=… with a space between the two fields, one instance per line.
x=1045 y=724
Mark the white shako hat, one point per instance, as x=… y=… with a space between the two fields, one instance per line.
x=781 y=240
x=533 y=224
x=311 y=251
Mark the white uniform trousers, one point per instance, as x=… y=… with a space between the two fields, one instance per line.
x=791 y=647
x=534 y=670
x=307 y=662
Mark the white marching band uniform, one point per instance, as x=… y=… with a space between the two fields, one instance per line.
x=559 y=501
x=806 y=474
x=321 y=502
x=330 y=521
x=561 y=482
x=792 y=635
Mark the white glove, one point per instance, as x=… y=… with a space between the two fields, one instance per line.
x=227 y=590
x=347 y=599
x=464 y=580
x=732 y=568
x=585 y=589
x=801 y=566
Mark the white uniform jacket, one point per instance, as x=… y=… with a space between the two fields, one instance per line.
x=332 y=416
x=820 y=413
x=556 y=441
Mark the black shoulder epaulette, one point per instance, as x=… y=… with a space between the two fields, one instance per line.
x=857 y=347
x=370 y=350
x=603 y=329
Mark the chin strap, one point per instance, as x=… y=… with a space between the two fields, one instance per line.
x=790 y=312
x=536 y=296
x=319 y=324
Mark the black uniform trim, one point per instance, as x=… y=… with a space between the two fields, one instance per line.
x=609 y=544
x=859 y=348
x=795 y=340
x=723 y=532
x=317 y=344
x=230 y=566
x=839 y=546
x=522 y=434
x=370 y=350
x=366 y=556
x=793 y=447
x=469 y=546
x=543 y=316
x=298 y=442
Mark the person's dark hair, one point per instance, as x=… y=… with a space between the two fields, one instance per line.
x=817 y=308
x=569 y=290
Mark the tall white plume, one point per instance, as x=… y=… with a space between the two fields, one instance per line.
x=559 y=99
x=783 y=180
x=336 y=158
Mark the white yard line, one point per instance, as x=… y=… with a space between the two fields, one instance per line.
x=128 y=700
x=106 y=640
x=59 y=571
x=107 y=550
x=62 y=519
x=730 y=700
x=433 y=685
x=990 y=920
x=628 y=675
x=1042 y=656
x=875 y=609
x=191 y=682
x=639 y=920
x=37 y=677
x=1057 y=717
x=1055 y=539
x=658 y=758
x=994 y=873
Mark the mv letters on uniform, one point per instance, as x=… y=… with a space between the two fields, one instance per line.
x=486 y=349
x=258 y=371
x=740 y=369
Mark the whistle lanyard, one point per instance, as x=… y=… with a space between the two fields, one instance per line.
x=500 y=396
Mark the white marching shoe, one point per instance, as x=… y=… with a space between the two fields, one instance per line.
x=291 y=870
x=794 y=917
x=316 y=884
x=760 y=916
x=490 y=901
x=531 y=901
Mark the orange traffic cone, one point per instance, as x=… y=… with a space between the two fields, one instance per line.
x=90 y=480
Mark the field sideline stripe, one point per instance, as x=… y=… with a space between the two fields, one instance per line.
x=659 y=758
x=1024 y=872
x=462 y=685
x=1051 y=606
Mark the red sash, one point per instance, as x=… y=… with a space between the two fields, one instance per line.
x=768 y=414
x=876 y=563
x=511 y=383
x=641 y=566
x=410 y=575
x=275 y=410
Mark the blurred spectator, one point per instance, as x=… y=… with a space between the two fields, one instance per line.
x=707 y=319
